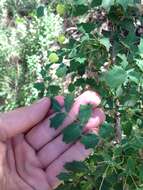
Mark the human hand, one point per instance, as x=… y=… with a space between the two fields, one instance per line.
x=31 y=153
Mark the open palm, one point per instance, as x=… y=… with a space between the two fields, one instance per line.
x=31 y=153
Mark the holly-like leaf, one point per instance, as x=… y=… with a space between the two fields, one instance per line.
x=115 y=77
x=57 y=120
x=85 y=113
x=55 y=105
x=72 y=133
x=90 y=140
x=69 y=100
x=76 y=166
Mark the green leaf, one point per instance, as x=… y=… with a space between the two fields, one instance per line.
x=124 y=61
x=71 y=87
x=139 y=63
x=86 y=27
x=80 y=2
x=125 y=3
x=61 y=71
x=53 y=89
x=85 y=113
x=96 y=3
x=116 y=13
x=140 y=46
x=115 y=77
x=106 y=131
x=107 y=3
x=134 y=76
x=72 y=133
x=76 y=166
x=131 y=163
x=55 y=105
x=39 y=86
x=69 y=100
x=80 y=60
x=57 y=120
x=64 y=176
x=105 y=42
x=140 y=168
x=80 y=10
x=40 y=11
x=90 y=140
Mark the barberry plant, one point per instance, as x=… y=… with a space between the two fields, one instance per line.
x=103 y=52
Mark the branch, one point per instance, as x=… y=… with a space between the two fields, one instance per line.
x=118 y=124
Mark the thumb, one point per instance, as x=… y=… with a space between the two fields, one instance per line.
x=22 y=119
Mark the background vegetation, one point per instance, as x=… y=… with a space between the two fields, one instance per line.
x=66 y=47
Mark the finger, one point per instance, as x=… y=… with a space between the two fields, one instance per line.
x=58 y=147
x=76 y=152
x=22 y=119
x=47 y=133
x=97 y=119
x=13 y=175
x=39 y=134
x=28 y=166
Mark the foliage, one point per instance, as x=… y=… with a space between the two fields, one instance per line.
x=101 y=49
x=106 y=55
x=22 y=39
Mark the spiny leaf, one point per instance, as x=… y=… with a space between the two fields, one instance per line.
x=90 y=140
x=57 y=120
x=72 y=133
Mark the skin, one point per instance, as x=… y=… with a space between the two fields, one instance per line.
x=31 y=153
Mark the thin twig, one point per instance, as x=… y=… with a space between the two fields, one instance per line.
x=118 y=123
